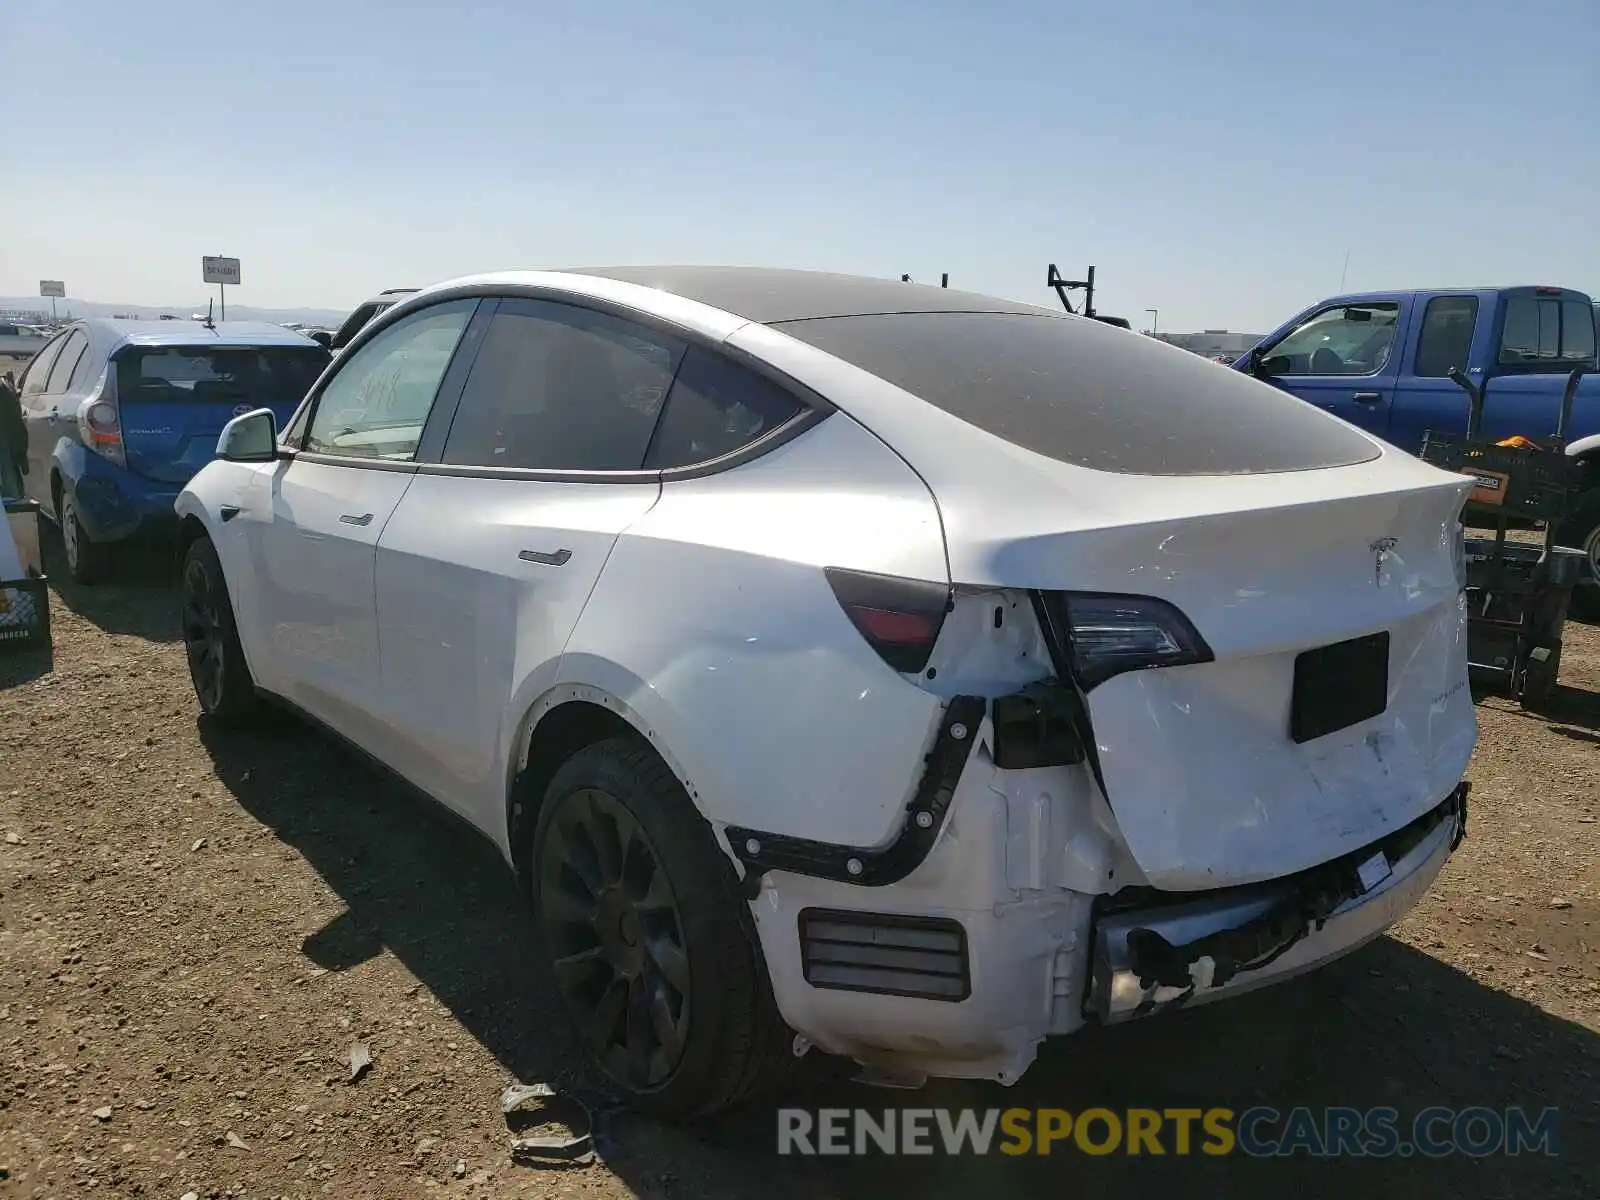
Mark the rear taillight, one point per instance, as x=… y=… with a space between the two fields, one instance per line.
x=100 y=421
x=900 y=618
x=1113 y=634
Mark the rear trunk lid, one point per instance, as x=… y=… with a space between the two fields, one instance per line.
x=1334 y=707
x=1200 y=763
x=173 y=401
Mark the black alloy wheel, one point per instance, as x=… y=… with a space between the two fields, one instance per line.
x=616 y=937
x=222 y=680
x=203 y=635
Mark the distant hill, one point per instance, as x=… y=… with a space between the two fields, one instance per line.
x=236 y=312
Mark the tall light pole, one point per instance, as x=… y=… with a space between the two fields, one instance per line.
x=1154 y=313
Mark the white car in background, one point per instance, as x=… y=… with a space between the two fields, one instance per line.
x=848 y=663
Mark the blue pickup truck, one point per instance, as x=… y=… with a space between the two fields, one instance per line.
x=1382 y=360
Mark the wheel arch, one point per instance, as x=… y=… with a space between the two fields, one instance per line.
x=194 y=523
x=190 y=530
x=561 y=722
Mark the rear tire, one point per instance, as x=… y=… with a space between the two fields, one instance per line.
x=88 y=561
x=650 y=943
x=217 y=668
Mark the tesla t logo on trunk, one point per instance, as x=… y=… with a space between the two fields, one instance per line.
x=1380 y=555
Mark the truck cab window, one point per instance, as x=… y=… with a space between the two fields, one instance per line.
x=1348 y=339
x=1555 y=333
x=1446 y=338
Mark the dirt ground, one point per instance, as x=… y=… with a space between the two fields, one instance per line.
x=195 y=927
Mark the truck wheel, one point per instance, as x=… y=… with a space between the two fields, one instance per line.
x=221 y=677
x=650 y=944
x=88 y=561
x=1582 y=532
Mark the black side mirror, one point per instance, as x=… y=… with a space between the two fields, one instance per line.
x=250 y=438
x=1258 y=363
x=323 y=337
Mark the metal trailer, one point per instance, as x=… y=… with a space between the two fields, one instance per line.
x=24 y=590
x=1517 y=592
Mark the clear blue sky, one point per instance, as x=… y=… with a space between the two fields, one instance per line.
x=1216 y=161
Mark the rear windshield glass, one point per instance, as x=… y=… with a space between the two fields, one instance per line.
x=1084 y=393
x=260 y=376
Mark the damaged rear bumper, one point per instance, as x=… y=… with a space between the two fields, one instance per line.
x=1157 y=952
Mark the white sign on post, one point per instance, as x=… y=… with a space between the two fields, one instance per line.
x=53 y=288
x=220 y=270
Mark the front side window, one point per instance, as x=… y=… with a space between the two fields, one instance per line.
x=1446 y=338
x=715 y=408
x=559 y=388
x=376 y=405
x=1541 y=332
x=1352 y=339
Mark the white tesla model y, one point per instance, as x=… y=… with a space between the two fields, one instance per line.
x=846 y=663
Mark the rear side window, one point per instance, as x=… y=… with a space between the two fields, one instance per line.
x=67 y=362
x=1550 y=332
x=38 y=372
x=715 y=408
x=1446 y=338
x=559 y=388
x=260 y=376
x=1084 y=393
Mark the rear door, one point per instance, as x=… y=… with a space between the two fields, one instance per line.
x=174 y=400
x=1343 y=358
x=1443 y=337
x=490 y=557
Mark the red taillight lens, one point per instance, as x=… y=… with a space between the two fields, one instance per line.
x=100 y=419
x=899 y=618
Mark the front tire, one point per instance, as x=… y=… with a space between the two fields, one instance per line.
x=221 y=677
x=651 y=946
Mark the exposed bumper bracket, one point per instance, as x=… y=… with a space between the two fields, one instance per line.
x=1142 y=936
x=925 y=815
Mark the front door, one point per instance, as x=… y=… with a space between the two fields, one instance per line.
x=315 y=520
x=1343 y=359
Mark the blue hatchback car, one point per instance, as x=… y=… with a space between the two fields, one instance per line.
x=121 y=414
